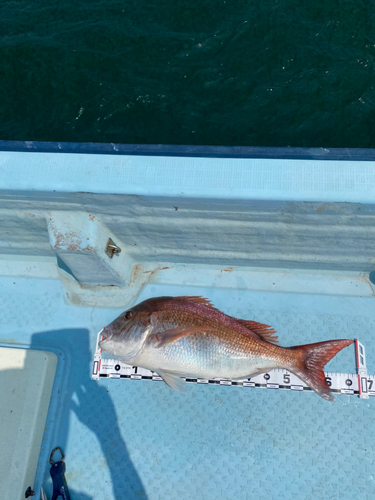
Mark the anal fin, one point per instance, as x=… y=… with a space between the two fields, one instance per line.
x=173 y=380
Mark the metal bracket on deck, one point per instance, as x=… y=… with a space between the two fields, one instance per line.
x=82 y=243
x=93 y=263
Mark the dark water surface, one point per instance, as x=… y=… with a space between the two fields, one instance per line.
x=257 y=73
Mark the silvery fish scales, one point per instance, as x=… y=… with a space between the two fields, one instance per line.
x=187 y=337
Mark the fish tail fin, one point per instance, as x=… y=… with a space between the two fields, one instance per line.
x=311 y=359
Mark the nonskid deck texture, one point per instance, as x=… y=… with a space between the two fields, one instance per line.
x=289 y=243
x=134 y=439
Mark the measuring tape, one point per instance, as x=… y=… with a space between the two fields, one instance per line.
x=359 y=384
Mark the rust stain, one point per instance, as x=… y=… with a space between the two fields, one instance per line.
x=138 y=271
x=154 y=271
x=91 y=217
x=89 y=249
x=322 y=207
x=69 y=240
x=135 y=273
x=74 y=299
x=60 y=239
x=73 y=247
x=227 y=270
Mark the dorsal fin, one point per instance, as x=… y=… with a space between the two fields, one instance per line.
x=265 y=331
x=199 y=300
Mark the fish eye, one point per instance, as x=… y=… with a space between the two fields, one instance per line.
x=128 y=315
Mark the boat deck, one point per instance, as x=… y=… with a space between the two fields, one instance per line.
x=129 y=439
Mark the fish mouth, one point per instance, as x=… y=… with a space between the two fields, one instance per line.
x=105 y=336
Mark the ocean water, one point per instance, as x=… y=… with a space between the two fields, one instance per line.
x=219 y=72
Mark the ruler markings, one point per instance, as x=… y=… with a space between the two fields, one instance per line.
x=359 y=383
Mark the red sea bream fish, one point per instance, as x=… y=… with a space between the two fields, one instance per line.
x=187 y=337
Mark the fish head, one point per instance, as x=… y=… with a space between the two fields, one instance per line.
x=126 y=335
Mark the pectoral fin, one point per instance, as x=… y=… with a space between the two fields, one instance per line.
x=168 y=336
x=173 y=380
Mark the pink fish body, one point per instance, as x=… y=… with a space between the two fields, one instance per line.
x=187 y=337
